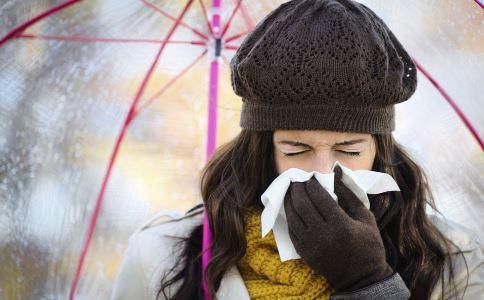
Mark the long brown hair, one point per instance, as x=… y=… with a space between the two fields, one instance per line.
x=240 y=171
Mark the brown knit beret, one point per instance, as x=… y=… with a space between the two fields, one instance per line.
x=322 y=64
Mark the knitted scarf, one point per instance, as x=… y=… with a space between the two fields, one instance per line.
x=266 y=277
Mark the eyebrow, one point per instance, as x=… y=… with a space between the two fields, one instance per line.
x=344 y=143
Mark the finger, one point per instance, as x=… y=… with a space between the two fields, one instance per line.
x=303 y=205
x=379 y=205
x=338 y=173
x=348 y=200
x=323 y=202
x=296 y=240
x=315 y=192
x=294 y=221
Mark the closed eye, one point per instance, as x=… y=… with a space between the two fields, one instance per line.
x=344 y=152
x=292 y=154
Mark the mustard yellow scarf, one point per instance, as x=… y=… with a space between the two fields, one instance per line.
x=266 y=277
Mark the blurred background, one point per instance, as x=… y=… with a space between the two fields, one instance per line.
x=67 y=83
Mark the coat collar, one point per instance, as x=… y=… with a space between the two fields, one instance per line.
x=232 y=286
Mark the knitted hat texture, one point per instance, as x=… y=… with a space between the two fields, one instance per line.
x=322 y=64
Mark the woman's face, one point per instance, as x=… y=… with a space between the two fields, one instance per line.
x=317 y=150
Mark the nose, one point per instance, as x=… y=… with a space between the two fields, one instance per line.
x=324 y=162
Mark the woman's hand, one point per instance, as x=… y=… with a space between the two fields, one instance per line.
x=340 y=242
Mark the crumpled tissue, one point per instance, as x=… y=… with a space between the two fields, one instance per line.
x=273 y=217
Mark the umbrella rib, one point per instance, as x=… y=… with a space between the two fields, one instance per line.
x=204 y=10
x=452 y=104
x=156 y=8
x=226 y=27
x=248 y=20
x=231 y=47
x=236 y=36
x=101 y=39
x=18 y=30
x=127 y=121
x=169 y=83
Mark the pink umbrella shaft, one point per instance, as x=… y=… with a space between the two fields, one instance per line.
x=211 y=141
x=212 y=134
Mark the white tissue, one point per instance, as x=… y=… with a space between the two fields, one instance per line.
x=273 y=216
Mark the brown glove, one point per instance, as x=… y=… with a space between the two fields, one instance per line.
x=340 y=242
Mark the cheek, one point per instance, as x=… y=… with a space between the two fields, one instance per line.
x=363 y=162
x=303 y=162
x=285 y=162
x=360 y=163
x=281 y=163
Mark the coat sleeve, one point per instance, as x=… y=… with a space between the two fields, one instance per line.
x=131 y=281
x=391 y=288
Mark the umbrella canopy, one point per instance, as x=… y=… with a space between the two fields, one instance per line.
x=109 y=110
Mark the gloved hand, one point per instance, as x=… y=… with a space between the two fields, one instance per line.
x=340 y=242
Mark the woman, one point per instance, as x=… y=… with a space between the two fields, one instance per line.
x=319 y=80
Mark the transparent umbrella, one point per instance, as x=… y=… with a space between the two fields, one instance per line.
x=109 y=110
